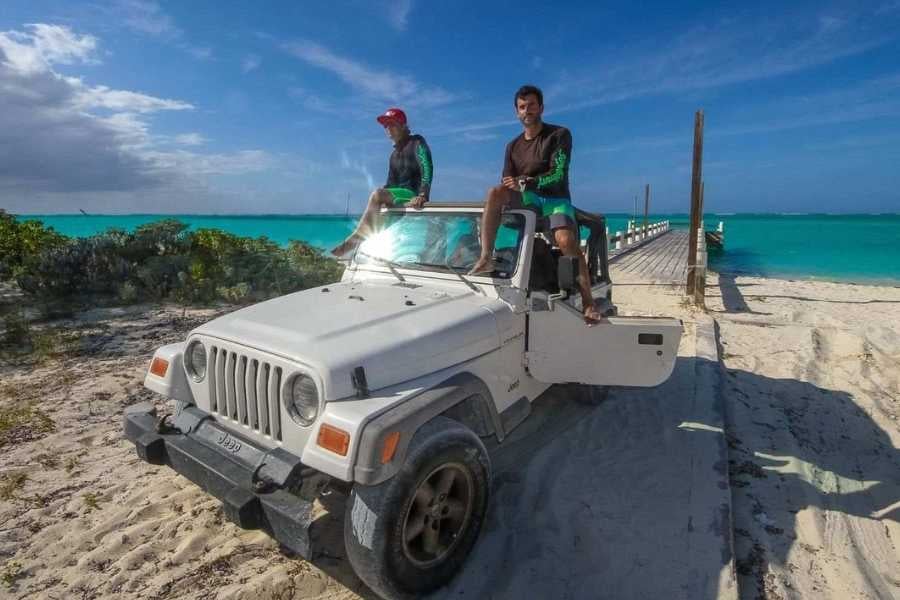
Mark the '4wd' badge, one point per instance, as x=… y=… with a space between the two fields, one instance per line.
x=229 y=443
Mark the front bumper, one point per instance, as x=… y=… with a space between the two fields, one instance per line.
x=259 y=489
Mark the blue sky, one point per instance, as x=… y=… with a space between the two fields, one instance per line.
x=136 y=106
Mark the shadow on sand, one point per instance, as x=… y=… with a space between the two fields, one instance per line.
x=595 y=501
x=795 y=446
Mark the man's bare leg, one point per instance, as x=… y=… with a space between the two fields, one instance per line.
x=366 y=226
x=567 y=240
x=498 y=197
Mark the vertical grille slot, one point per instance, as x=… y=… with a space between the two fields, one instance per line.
x=262 y=397
x=220 y=382
x=213 y=407
x=240 y=391
x=229 y=385
x=274 y=404
x=250 y=385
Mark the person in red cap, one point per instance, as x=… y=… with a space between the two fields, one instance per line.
x=410 y=171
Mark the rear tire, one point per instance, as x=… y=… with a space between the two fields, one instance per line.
x=411 y=534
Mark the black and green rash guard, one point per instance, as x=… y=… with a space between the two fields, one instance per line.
x=411 y=166
x=546 y=158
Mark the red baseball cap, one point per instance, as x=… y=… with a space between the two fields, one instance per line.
x=392 y=116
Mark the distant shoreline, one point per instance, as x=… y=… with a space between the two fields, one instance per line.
x=858 y=248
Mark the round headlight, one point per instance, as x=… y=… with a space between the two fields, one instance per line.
x=195 y=360
x=304 y=405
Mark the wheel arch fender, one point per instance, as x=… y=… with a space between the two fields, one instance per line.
x=463 y=397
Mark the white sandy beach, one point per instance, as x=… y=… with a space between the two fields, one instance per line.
x=812 y=397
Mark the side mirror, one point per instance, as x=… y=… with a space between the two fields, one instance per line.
x=567 y=273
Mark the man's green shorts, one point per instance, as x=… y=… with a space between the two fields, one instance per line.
x=558 y=212
x=401 y=195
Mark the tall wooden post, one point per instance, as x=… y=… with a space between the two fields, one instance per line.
x=646 y=204
x=702 y=192
x=696 y=178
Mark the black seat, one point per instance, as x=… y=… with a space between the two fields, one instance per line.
x=544 y=259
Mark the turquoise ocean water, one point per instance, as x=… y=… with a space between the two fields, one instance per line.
x=850 y=248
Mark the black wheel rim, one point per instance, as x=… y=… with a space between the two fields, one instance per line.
x=438 y=515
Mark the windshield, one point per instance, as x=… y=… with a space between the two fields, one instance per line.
x=440 y=240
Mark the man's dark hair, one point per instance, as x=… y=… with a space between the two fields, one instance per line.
x=528 y=90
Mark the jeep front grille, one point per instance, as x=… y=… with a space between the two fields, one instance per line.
x=245 y=390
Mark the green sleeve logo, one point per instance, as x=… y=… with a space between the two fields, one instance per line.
x=556 y=175
x=424 y=164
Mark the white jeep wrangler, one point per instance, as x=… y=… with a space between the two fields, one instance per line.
x=389 y=381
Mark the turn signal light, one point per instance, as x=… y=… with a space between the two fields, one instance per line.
x=390 y=447
x=334 y=439
x=159 y=366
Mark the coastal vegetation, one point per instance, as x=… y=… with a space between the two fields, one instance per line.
x=47 y=275
x=160 y=261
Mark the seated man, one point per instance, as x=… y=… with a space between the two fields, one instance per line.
x=536 y=176
x=410 y=171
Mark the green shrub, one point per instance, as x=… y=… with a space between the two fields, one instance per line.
x=22 y=241
x=165 y=261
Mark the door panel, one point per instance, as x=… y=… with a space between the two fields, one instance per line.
x=632 y=351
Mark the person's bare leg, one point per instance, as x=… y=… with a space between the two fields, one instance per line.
x=379 y=198
x=567 y=240
x=497 y=198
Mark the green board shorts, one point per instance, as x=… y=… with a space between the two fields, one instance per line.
x=557 y=212
x=401 y=195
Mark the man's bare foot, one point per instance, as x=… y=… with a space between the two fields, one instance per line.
x=592 y=316
x=346 y=246
x=484 y=266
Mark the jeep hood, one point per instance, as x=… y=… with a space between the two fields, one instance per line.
x=396 y=331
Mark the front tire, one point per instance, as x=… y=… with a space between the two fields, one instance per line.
x=412 y=533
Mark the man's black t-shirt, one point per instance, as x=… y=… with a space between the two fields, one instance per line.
x=411 y=166
x=546 y=158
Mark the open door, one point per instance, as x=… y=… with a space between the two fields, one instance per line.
x=632 y=351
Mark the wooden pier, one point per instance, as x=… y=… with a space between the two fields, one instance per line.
x=663 y=259
x=662 y=255
x=657 y=254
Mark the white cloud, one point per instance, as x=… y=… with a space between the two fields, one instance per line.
x=250 y=62
x=359 y=167
x=379 y=84
x=475 y=136
x=398 y=13
x=317 y=103
x=726 y=53
x=41 y=46
x=866 y=100
x=193 y=164
x=190 y=139
x=146 y=16
x=60 y=137
x=198 y=52
x=120 y=100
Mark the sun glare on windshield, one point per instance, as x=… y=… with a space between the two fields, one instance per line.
x=380 y=245
x=441 y=241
